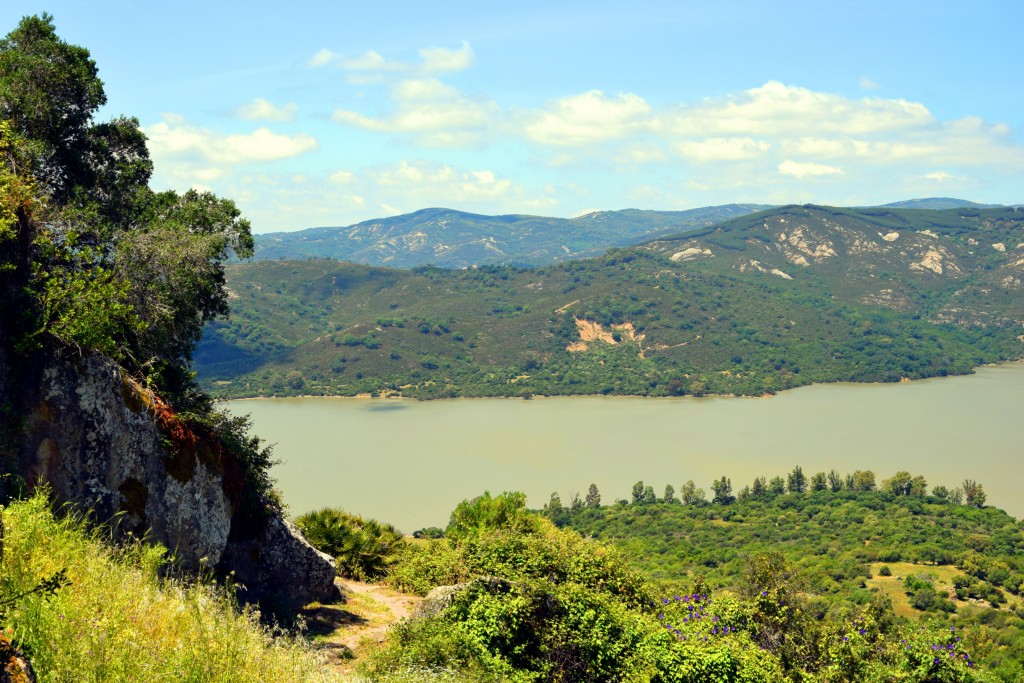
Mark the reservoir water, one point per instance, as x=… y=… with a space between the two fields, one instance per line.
x=410 y=463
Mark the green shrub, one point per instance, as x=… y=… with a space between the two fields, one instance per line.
x=363 y=548
x=506 y=511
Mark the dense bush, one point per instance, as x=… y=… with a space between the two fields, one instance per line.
x=538 y=603
x=363 y=548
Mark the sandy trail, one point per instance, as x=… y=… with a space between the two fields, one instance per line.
x=347 y=630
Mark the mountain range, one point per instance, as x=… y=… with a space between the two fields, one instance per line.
x=761 y=302
x=455 y=239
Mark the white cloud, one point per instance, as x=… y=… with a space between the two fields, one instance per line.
x=208 y=174
x=642 y=154
x=208 y=154
x=413 y=184
x=588 y=118
x=371 y=60
x=372 y=66
x=442 y=59
x=863 y=149
x=771 y=123
x=775 y=109
x=435 y=114
x=772 y=143
x=867 y=84
x=323 y=57
x=722 y=149
x=261 y=110
x=182 y=140
x=804 y=169
x=342 y=177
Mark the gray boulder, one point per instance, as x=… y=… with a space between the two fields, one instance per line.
x=441 y=598
x=280 y=569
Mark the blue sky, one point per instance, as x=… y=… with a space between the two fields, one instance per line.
x=328 y=113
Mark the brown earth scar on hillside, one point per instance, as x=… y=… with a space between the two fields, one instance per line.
x=591 y=331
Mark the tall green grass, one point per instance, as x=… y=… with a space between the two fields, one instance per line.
x=120 y=621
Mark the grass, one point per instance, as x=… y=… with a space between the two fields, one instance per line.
x=944 y=575
x=893 y=585
x=119 y=620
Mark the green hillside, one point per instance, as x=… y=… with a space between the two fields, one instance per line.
x=847 y=539
x=456 y=239
x=532 y=602
x=760 y=303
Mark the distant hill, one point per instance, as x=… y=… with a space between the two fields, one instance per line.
x=455 y=239
x=938 y=203
x=762 y=302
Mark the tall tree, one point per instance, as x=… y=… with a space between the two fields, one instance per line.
x=593 y=499
x=648 y=496
x=110 y=264
x=974 y=495
x=723 y=491
x=759 y=489
x=796 y=482
x=864 y=480
x=50 y=90
x=919 y=486
x=638 y=492
x=690 y=494
x=899 y=484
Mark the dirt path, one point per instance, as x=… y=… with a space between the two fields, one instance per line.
x=347 y=630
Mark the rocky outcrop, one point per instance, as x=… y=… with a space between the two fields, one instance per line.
x=441 y=598
x=93 y=437
x=109 y=446
x=280 y=568
x=14 y=666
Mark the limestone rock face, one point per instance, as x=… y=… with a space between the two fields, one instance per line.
x=94 y=439
x=105 y=444
x=280 y=567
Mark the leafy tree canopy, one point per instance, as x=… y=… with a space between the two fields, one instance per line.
x=98 y=260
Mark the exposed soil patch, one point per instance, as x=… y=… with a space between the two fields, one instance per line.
x=349 y=630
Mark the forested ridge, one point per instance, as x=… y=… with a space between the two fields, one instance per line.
x=758 y=304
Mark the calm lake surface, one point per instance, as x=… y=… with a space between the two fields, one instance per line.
x=410 y=463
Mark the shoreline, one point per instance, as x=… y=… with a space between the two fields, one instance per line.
x=537 y=397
